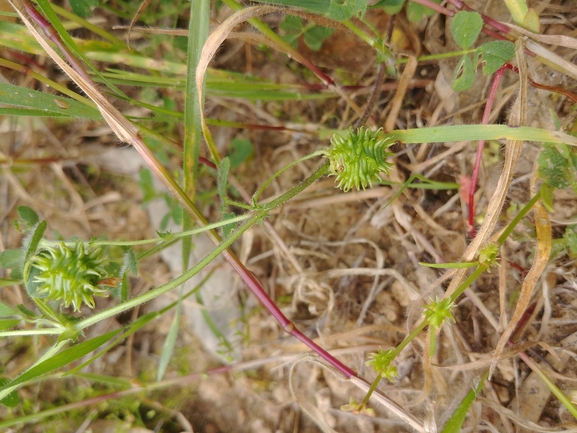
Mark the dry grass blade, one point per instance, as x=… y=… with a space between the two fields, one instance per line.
x=212 y=43
x=543 y=227
x=552 y=60
x=485 y=361
x=139 y=12
x=406 y=77
x=558 y=40
x=512 y=153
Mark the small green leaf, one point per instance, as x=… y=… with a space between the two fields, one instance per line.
x=124 y=288
x=240 y=150
x=169 y=343
x=82 y=8
x=465 y=28
x=26 y=312
x=464 y=75
x=457 y=418
x=391 y=7
x=547 y=196
x=315 y=37
x=131 y=262
x=11 y=400
x=227 y=229
x=146 y=185
x=570 y=237
x=57 y=361
x=27 y=215
x=291 y=39
x=6 y=324
x=463 y=265
x=292 y=24
x=341 y=10
x=416 y=12
x=31 y=241
x=558 y=166
x=12 y=258
x=176 y=213
x=6 y=311
x=222 y=179
x=495 y=54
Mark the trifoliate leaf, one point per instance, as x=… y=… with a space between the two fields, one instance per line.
x=315 y=37
x=465 y=28
x=464 y=76
x=495 y=54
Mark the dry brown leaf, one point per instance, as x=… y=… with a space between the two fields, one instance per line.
x=399 y=97
x=558 y=40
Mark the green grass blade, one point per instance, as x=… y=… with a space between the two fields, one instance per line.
x=57 y=361
x=480 y=132
x=33 y=102
x=455 y=265
x=458 y=417
x=169 y=343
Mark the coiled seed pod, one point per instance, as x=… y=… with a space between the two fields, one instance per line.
x=66 y=274
x=357 y=157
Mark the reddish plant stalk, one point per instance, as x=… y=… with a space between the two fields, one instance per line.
x=480 y=145
x=248 y=278
x=554 y=89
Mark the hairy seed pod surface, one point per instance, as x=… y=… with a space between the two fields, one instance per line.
x=66 y=274
x=357 y=157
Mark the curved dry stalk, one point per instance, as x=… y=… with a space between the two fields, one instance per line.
x=512 y=153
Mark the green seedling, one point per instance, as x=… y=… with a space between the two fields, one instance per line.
x=465 y=28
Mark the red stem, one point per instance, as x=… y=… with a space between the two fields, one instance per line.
x=248 y=278
x=480 y=145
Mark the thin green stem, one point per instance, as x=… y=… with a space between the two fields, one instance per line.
x=222 y=247
x=168 y=237
x=257 y=194
x=518 y=218
x=31 y=332
x=563 y=398
x=439 y=56
x=374 y=385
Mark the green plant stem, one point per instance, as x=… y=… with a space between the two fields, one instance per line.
x=563 y=398
x=524 y=211
x=169 y=237
x=374 y=385
x=222 y=247
x=431 y=57
x=459 y=291
x=32 y=332
x=257 y=194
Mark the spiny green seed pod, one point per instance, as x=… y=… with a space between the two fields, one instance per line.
x=67 y=274
x=357 y=157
